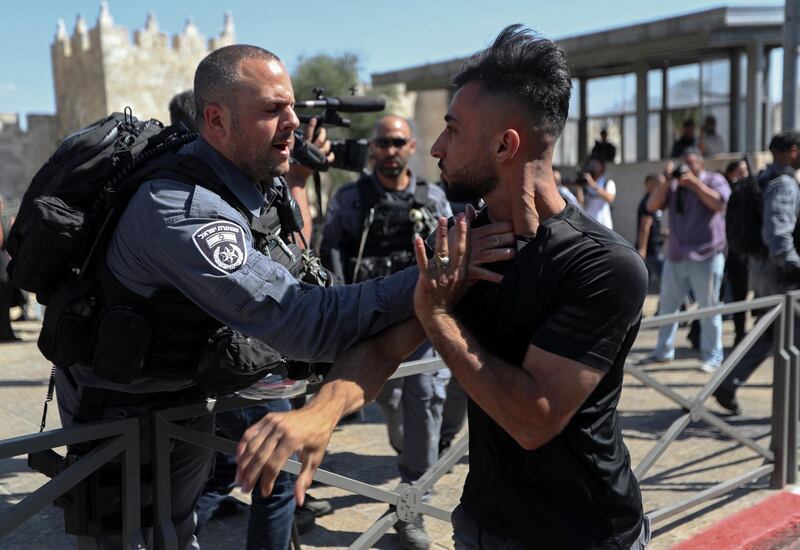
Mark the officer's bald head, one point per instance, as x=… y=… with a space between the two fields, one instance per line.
x=218 y=76
x=392 y=125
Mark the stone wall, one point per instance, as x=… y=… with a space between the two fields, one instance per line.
x=23 y=152
x=98 y=71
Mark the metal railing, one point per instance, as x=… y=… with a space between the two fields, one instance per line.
x=121 y=439
x=407 y=499
x=781 y=460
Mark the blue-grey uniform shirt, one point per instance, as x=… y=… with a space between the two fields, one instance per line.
x=166 y=239
x=343 y=221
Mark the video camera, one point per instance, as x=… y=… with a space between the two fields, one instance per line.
x=350 y=154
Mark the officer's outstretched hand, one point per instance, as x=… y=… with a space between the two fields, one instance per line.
x=269 y=443
x=493 y=242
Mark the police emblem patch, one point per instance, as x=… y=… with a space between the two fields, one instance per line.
x=222 y=245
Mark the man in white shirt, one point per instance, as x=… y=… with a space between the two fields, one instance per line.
x=599 y=192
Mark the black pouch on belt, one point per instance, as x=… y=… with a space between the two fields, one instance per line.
x=233 y=361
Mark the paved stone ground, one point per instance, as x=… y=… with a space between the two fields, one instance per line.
x=700 y=457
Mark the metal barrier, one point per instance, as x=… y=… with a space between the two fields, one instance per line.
x=406 y=499
x=783 y=465
x=122 y=439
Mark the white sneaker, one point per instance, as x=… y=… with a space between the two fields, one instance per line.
x=709 y=367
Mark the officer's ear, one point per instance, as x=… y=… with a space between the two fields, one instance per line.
x=507 y=145
x=215 y=118
x=412 y=146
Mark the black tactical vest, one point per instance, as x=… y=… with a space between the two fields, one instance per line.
x=389 y=225
x=124 y=336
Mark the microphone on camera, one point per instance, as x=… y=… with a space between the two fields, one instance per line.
x=347 y=104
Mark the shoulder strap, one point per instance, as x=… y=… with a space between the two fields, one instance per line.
x=368 y=197
x=422 y=193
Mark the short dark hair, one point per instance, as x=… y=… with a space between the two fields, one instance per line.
x=783 y=141
x=692 y=150
x=181 y=110
x=217 y=75
x=733 y=165
x=527 y=68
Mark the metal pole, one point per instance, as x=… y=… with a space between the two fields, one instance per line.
x=794 y=397
x=791 y=41
x=780 y=399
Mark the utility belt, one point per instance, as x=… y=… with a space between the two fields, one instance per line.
x=381 y=266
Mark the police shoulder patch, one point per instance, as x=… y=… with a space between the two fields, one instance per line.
x=222 y=245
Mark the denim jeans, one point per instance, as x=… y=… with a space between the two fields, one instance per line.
x=271 y=516
x=413 y=409
x=703 y=280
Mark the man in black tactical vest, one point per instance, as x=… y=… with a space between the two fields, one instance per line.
x=369 y=232
x=202 y=267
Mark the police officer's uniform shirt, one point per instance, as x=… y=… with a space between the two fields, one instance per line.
x=343 y=220
x=575 y=290
x=174 y=235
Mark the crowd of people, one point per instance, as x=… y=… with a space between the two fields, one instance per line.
x=525 y=364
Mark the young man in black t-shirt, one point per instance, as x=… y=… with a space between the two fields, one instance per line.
x=540 y=353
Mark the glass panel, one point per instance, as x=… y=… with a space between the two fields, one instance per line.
x=569 y=144
x=716 y=81
x=629 y=93
x=654 y=136
x=776 y=75
x=575 y=100
x=629 y=155
x=604 y=95
x=684 y=85
x=611 y=95
x=654 y=84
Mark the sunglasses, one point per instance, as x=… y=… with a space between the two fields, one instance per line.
x=385 y=142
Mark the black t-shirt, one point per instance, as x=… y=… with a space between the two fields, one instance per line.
x=575 y=290
x=655 y=239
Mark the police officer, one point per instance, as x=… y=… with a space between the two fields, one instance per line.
x=368 y=232
x=205 y=252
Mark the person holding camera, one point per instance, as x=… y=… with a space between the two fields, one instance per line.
x=541 y=354
x=599 y=192
x=695 y=258
x=369 y=232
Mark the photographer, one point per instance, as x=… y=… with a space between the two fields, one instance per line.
x=370 y=225
x=598 y=192
x=695 y=257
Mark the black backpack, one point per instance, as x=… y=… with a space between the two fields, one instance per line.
x=744 y=217
x=77 y=195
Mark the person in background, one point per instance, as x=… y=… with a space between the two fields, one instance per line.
x=604 y=149
x=564 y=191
x=599 y=191
x=736 y=275
x=650 y=236
x=711 y=143
x=685 y=141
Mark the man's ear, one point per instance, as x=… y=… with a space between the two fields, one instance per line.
x=215 y=118
x=412 y=146
x=507 y=145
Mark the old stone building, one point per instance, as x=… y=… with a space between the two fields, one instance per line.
x=97 y=71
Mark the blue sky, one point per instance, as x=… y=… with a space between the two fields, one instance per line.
x=386 y=35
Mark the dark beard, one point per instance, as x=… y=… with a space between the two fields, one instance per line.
x=392 y=171
x=470 y=183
